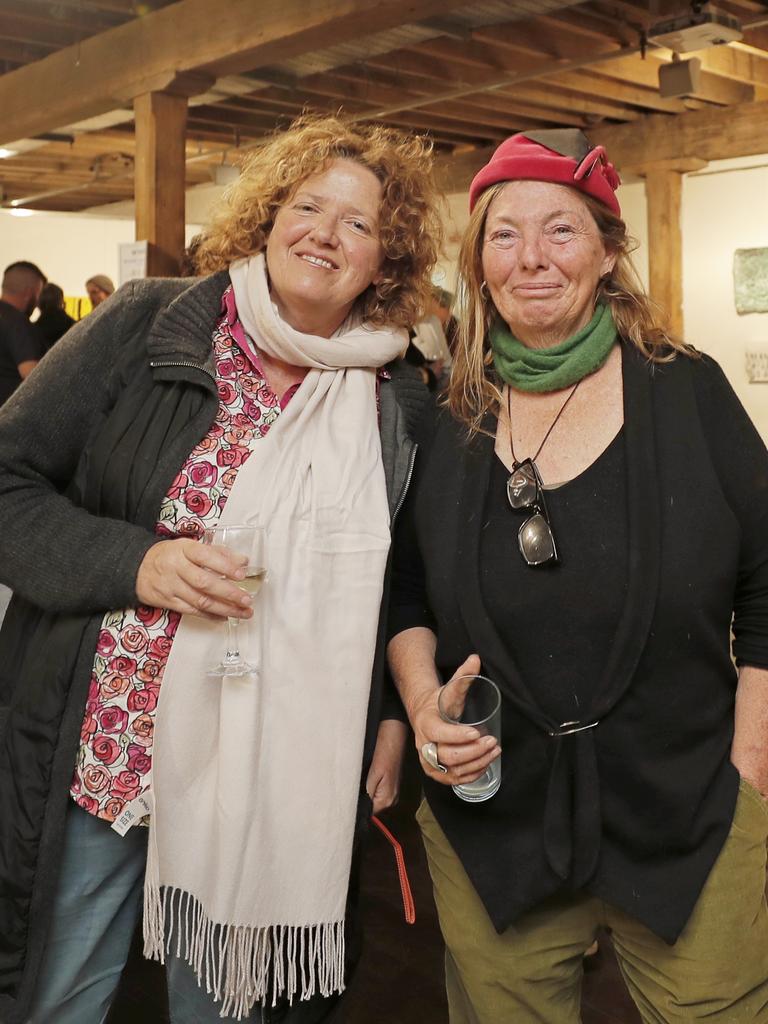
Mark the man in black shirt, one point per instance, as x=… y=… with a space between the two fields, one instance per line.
x=20 y=348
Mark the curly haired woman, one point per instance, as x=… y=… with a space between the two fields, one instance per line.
x=268 y=392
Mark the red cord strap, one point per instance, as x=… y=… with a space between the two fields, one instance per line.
x=409 y=907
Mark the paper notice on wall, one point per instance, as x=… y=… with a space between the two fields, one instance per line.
x=133 y=260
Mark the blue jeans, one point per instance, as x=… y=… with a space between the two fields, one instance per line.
x=94 y=916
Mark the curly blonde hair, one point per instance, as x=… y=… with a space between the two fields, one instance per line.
x=475 y=388
x=410 y=228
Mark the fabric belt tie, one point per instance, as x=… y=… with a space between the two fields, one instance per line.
x=572 y=819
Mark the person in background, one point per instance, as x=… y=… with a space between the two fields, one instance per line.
x=99 y=288
x=587 y=521
x=20 y=347
x=416 y=358
x=432 y=338
x=444 y=309
x=267 y=391
x=54 y=321
x=188 y=264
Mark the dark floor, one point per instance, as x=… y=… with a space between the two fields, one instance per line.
x=399 y=980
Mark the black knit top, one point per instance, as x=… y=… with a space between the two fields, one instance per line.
x=562 y=617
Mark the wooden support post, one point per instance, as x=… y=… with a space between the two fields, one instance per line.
x=664 y=191
x=160 y=179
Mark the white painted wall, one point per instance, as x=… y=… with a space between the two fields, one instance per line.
x=725 y=208
x=69 y=248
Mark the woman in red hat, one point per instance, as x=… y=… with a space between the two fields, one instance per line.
x=588 y=519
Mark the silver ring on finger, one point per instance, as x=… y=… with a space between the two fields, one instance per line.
x=429 y=753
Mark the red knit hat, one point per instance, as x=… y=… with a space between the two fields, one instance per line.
x=564 y=156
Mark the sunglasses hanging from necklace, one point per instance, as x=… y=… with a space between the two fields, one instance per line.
x=525 y=492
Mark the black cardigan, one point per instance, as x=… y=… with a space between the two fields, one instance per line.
x=636 y=808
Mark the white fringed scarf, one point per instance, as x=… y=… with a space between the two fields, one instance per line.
x=256 y=782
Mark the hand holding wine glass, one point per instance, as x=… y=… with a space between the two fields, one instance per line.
x=248 y=541
x=185 y=576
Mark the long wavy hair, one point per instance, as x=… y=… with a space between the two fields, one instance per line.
x=410 y=227
x=475 y=388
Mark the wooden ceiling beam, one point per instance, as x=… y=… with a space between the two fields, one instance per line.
x=558 y=97
x=260 y=120
x=595 y=29
x=453 y=132
x=487 y=114
x=127 y=8
x=114 y=67
x=363 y=94
x=551 y=98
x=471 y=53
x=364 y=90
x=86 y=15
x=584 y=82
x=744 y=8
x=40 y=31
x=737 y=62
x=420 y=64
x=757 y=37
x=22 y=53
x=546 y=37
x=711 y=87
x=525 y=70
x=714 y=134
x=440 y=129
x=512 y=111
x=637 y=13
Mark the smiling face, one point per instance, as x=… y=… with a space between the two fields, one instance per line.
x=323 y=250
x=542 y=259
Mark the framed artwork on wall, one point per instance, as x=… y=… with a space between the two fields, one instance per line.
x=750 y=280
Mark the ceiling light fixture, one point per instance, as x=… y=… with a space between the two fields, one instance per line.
x=679 y=77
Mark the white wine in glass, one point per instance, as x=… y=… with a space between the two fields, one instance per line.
x=251 y=542
x=253 y=580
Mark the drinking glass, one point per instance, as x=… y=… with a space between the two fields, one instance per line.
x=251 y=542
x=475 y=701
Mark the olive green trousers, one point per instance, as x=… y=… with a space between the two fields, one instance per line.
x=717 y=971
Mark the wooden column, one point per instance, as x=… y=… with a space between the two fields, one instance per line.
x=161 y=119
x=664 y=191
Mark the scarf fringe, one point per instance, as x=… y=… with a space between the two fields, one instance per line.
x=242 y=965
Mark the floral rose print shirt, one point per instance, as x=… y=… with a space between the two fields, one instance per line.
x=114 y=762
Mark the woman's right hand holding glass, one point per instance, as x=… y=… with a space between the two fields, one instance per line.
x=195 y=579
x=461 y=750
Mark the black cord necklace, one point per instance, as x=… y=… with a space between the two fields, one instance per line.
x=525 y=493
x=515 y=461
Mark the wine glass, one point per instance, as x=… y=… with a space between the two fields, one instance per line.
x=251 y=542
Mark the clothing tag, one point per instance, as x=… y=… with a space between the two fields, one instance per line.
x=133 y=813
